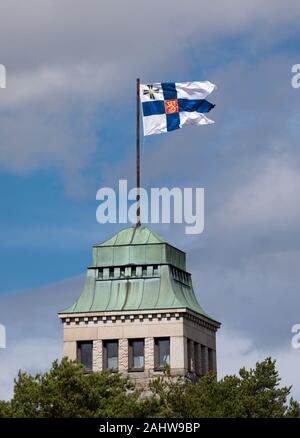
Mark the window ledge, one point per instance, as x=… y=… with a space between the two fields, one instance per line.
x=136 y=370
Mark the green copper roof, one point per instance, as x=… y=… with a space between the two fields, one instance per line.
x=133 y=236
x=137 y=246
x=136 y=270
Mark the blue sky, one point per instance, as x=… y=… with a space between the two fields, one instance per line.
x=36 y=214
x=67 y=125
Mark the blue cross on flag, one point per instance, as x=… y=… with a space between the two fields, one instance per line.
x=171 y=105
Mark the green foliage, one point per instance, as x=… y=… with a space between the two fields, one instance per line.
x=66 y=391
x=252 y=394
x=5 y=409
x=293 y=410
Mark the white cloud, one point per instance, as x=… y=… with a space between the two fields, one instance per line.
x=268 y=198
x=236 y=351
x=81 y=80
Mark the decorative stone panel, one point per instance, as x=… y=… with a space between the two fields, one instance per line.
x=123 y=355
x=97 y=355
x=149 y=353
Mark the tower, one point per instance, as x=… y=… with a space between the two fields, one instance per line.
x=138 y=312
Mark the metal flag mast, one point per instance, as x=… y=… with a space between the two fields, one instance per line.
x=138 y=169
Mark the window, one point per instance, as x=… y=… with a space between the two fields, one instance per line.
x=210 y=359
x=85 y=355
x=111 y=272
x=182 y=276
x=136 y=354
x=190 y=352
x=162 y=353
x=203 y=360
x=110 y=355
x=197 y=354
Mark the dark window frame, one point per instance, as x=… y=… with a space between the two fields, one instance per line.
x=87 y=370
x=131 y=357
x=190 y=346
x=210 y=354
x=203 y=360
x=105 y=356
x=197 y=350
x=111 y=273
x=157 y=366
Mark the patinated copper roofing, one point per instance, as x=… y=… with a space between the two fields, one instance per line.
x=136 y=270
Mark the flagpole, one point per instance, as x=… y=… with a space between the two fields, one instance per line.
x=138 y=168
